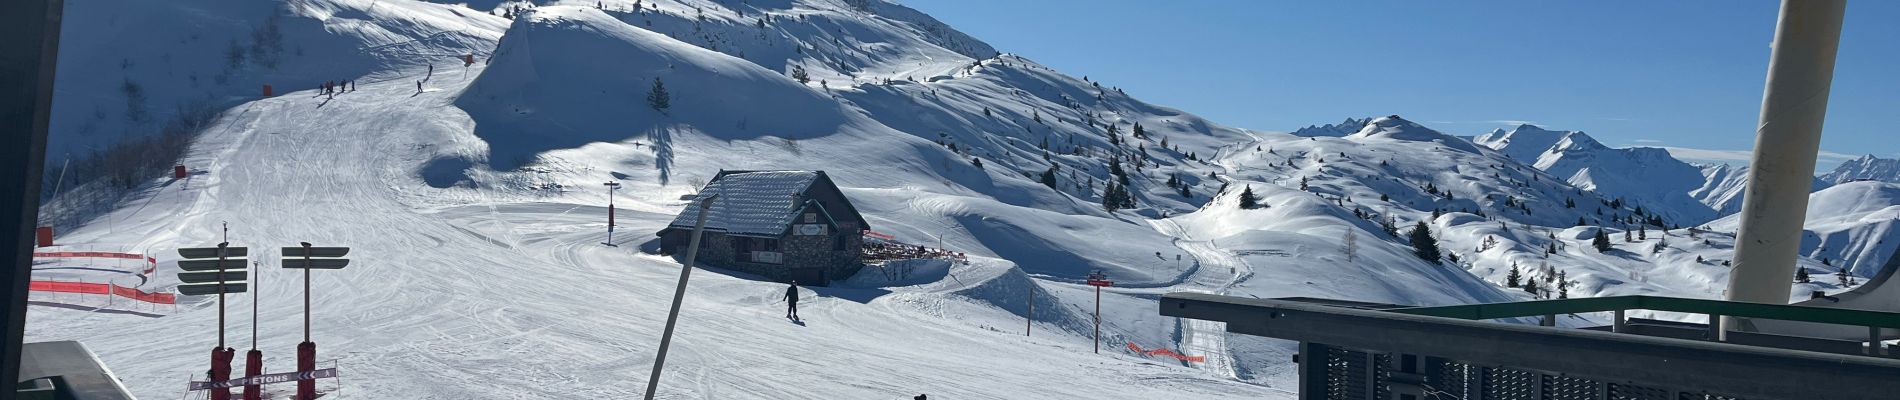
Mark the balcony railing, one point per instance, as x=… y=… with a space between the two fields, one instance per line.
x=1378 y=351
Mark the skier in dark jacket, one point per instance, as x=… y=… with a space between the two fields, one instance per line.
x=791 y=301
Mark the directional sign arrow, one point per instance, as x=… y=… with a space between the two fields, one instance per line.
x=211 y=264
x=201 y=289
x=316 y=263
x=210 y=277
x=212 y=252
x=298 y=252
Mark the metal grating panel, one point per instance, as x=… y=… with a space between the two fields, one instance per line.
x=1382 y=373
x=1508 y=384
x=1632 y=392
x=1558 y=387
x=1453 y=381
x=1347 y=374
x=1358 y=375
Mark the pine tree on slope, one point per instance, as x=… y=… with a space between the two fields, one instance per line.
x=1423 y=244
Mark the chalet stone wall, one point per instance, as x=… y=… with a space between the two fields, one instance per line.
x=807 y=251
x=716 y=249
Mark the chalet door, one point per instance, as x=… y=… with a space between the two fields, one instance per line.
x=810 y=276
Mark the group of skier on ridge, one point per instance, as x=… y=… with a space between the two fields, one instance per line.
x=333 y=87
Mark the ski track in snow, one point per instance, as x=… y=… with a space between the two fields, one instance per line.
x=1203 y=337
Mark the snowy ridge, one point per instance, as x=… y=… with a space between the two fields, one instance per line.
x=1852 y=225
x=1525 y=143
x=1343 y=128
x=179 y=55
x=1682 y=193
x=1865 y=167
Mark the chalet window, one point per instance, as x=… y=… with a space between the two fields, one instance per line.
x=837 y=243
x=811 y=217
x=755 y=244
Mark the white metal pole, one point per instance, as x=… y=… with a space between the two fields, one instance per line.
x=1787 y=140
x=679 y=293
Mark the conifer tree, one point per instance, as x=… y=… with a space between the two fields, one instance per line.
x=1423 y=244
x=1801 y=275
x=1247 y=199
x=1601 y=241
x=1515 y=278
x=658 y=98
x=1049 y=177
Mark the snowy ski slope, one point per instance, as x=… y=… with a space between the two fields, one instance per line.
x=475 y=206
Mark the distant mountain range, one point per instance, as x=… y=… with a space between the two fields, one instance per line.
x=1865 y=168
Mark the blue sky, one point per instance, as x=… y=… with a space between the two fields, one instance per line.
x=1650 y=73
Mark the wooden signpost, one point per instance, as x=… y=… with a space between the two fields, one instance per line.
x=208 y=274
x=1099 y=281
x=306 y=257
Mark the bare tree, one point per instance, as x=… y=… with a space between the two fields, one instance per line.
x=1351 y=244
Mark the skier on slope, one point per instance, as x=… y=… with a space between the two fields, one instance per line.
x=791 y=301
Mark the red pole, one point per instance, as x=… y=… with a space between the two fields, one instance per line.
x=220 y=372
x=253 y=366
x=306 y=362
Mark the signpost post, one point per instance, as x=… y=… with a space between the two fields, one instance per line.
x=198 y=282
x=1099 y=281
x=254 y=359
x=307 y=351
x=611 y=188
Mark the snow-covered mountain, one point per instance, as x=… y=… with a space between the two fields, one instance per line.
x=472 y=196
x=1864 y=168
x=1525 y=143
x=1487 y=209
x=1681 y=193
x=1343 y=128
x=128 y=69
x=1851 y=225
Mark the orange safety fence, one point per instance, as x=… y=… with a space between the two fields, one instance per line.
x=102 y=288
x=1165 y=352
x=135 y=294
x=70 y=287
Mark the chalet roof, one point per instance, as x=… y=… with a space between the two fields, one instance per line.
x=751 y=202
